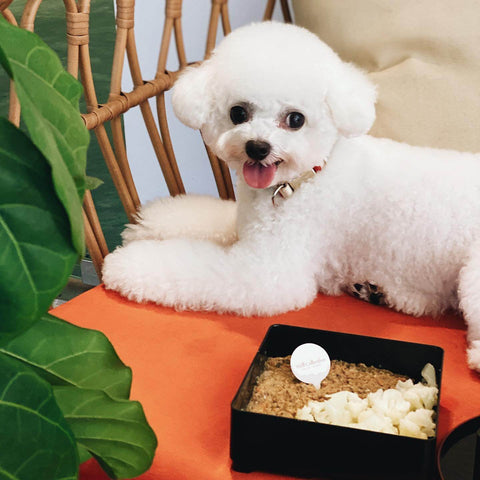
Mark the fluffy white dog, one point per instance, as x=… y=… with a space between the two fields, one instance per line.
x=277 y=104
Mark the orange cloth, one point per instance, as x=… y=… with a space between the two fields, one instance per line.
x=187 y=367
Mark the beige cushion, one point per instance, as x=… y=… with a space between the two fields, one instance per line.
x=423 y=55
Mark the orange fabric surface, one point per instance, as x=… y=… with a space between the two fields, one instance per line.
x=187 y=367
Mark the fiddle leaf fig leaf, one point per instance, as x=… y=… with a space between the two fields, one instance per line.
x=36 y=442
x=63 y=390
x=49 y=99
x=91 y=183
x=83 y=454
x=115 y=432
x=36 y=255
x=67 y=355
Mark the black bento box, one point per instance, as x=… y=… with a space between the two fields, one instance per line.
x=307 y=449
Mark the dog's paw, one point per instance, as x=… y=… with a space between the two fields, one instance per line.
x=368 y=292
x=473 y=355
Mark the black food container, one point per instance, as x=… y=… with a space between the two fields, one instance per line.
x=308 y=449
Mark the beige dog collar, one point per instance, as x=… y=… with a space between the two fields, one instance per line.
x=286 y=190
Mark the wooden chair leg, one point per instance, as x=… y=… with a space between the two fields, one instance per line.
x=92 y=246
x=94 y=238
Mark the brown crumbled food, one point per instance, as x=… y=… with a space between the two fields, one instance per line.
x=278 y=392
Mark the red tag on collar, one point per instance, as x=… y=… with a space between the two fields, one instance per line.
x=317 y=169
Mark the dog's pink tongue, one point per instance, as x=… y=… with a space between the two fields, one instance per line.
x=258 y=176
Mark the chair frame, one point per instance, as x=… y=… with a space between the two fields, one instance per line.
x=118 y=102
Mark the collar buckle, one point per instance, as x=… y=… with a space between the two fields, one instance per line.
x=286 y=190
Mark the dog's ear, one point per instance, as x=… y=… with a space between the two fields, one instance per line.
x=351 y=99
x=191 y=95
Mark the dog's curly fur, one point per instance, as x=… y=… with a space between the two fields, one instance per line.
x=403 y=218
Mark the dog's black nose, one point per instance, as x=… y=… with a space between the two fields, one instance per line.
x=257 y=149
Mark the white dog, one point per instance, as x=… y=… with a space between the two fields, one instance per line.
x=275 y=102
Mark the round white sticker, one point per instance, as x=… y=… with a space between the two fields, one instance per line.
x=310 y=363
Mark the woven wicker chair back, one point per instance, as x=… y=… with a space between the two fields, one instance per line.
x=98 y=115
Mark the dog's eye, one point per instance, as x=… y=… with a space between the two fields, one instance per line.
x=238 y=114
x=295 y=120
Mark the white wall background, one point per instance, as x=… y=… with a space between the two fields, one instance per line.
x=190 y=153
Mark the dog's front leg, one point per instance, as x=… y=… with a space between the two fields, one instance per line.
x=193 y=274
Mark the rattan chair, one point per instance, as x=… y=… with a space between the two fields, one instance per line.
x=119 y=102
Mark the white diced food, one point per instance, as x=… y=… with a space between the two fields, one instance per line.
x=337 y=414
x=423 y=419
x=365 y=415
x=349 y=404
x=419 y=395
x=335 y=409
x=375 y=422
x=356 y=406
x=389 y=403
x=317 y=408
x=406 y=410
x=305 y=413
x=410 y=429
x=413 y=397
x=429 y=396
x=321 y=416
x=406 y=385
x=428 y=374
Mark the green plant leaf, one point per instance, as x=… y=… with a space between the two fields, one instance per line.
x=83 y=454
x=49 y=98
x=91 y=183
x=36 y=442
x=64 y=354
x=115 y=432
x=36 y=254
